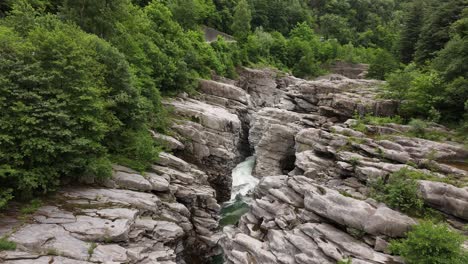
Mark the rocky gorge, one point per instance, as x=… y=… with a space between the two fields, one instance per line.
x=312 y=203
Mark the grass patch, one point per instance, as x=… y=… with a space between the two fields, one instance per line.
x=32 y=207
x=362 y=121
x=354 y=161
x=6 y=244
x=91 y=249
x=421 y=129
x=344 y=261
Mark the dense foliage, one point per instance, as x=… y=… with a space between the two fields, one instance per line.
x=81 y=84
x=435 y=84
x=430 y=243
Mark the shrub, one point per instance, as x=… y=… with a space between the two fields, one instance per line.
x=137 y=150
x=31 y=207
x=5 y=196
x=430 y=243
x=378 y=120
x=400 y=192
x=418 y=127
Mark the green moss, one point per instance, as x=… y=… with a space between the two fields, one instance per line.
x=345 y=193
x=362 y=121
x=5 y=244
x=52 y=252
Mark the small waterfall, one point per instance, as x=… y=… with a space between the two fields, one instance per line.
x=242 y=179
x=242 y=183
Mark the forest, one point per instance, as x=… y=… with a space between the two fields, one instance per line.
x=82 y=82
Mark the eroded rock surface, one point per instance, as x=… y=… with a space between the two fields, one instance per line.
x=163 y=216
x=312 y=204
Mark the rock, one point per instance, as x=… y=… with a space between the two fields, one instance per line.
x=98 y=229
x=44 y=237
x=53 y=215
x=224 y=90
x=168 y=141
x=167 y=231
x=166 y=159
x=213 y=140
x=351 y=212
x=350 y=70
x=261 y=86
x=112 y=213
x=109 y=253
x=445 y=197
x=275 y=151
x=131 y=181
x=134 y=199
x=381 y=245
x=209 y=116
x=47 y=260
x=158 y=183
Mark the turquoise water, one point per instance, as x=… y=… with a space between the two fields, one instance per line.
x=231 y=213
x=242 y=183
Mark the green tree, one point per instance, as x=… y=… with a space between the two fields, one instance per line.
x=335 y=26
x=411 y=30
x=53 y=99
x=383 y=63
x=190 y=13
x=241 y=20
x=96 y=16
x=435 y=31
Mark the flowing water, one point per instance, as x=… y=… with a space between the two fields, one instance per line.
x=242 y=183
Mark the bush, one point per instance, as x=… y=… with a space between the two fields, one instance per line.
x=420 y=128
x=5 y=196
x=430 y=243
x=400 y=191
x=137 y=150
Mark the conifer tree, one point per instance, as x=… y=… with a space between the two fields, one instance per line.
x=242 y=18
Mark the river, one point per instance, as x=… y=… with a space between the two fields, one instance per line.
x=242 y=183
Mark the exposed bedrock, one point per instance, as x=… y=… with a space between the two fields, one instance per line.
x=166 y=215
x=312 y=204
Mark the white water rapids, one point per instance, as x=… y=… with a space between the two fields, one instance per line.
x=242 y=179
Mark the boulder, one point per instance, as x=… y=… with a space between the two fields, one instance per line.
x=445 y=197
